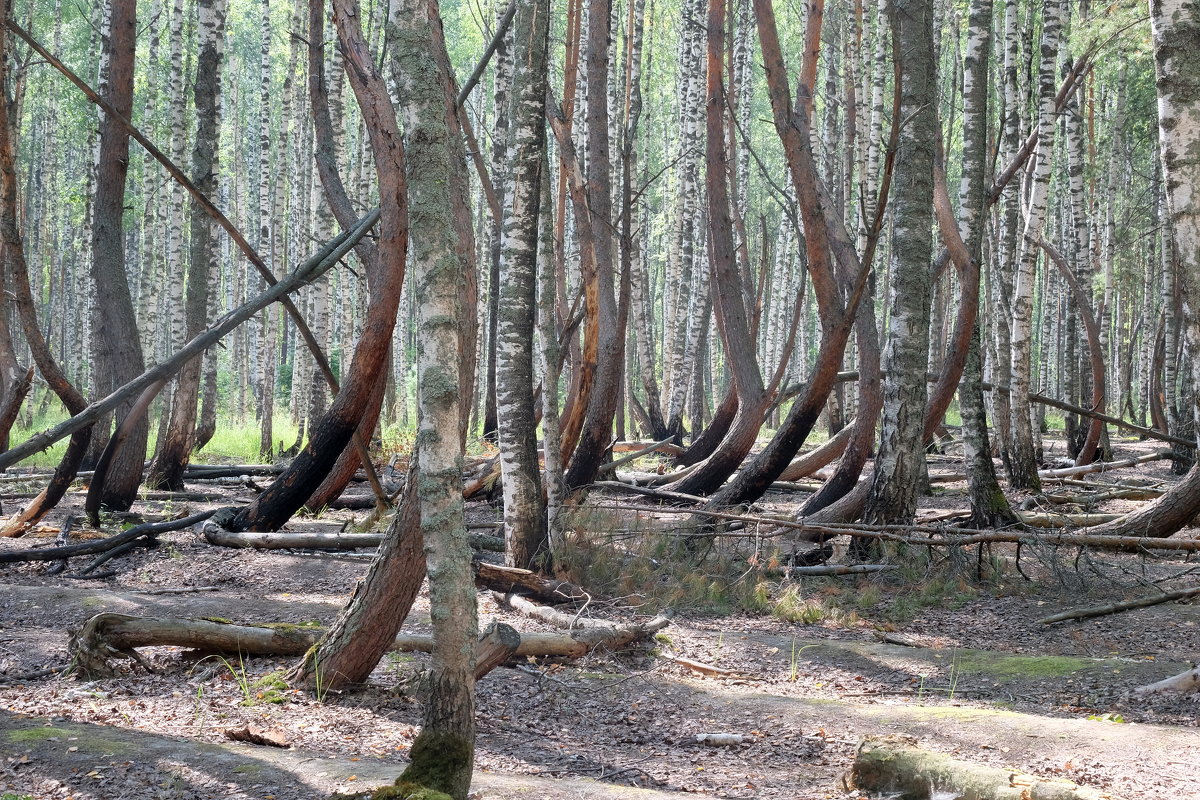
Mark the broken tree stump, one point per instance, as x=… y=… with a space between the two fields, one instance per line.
x=895 y=767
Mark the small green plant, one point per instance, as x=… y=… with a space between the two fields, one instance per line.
x=239 y=675
x=1116 y=719
x=270 y=688
x=199 y=707
x=794 y=662
x=321 y=688
x=11 y=796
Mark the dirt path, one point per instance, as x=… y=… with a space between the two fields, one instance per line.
x=802 y=703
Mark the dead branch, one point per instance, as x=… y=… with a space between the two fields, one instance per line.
x=1050 y=519
x=1104 y=466
x=149 y=529
x=588 y=633
x=636 y=454
x=827 y=569
x=1117 y=608
x=945 y=537
x=701 y=667
x=657 y=494
x=274 y=540
x=328 y=255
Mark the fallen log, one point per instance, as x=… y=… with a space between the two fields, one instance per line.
x=1183 y=682
x=894 y=766
x=275 y=540
x=827 y=569
x=946 y=537
x=1104 y=466
x=102 y=545
x=1050 y=519
x=593 y=633
x=521 y=581
x=1117 y=608
x=109 y=635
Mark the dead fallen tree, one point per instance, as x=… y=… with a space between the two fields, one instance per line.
x=589 y=634
x=521 y=581
x=922 y=535
x=149 y=529
x=1181 y=683
x=1117 y=608
x=109 y=635
x=894 y=766
x=275 y=540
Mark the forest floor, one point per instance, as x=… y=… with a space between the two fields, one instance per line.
x=979 y=678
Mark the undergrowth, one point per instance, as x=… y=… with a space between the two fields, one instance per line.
x=649 y=563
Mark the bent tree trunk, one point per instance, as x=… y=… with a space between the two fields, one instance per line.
x=729 y=295
x=118 y=346
x=334 y=431
x=360 y=636
x=18 y=283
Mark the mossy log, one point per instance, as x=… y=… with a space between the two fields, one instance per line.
x=894 y=766
x=109 y=635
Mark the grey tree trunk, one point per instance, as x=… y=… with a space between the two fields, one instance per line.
x=443 y=753
x=900 y=462
x=989 y=507
x=525 y=530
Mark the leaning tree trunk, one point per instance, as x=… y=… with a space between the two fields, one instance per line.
x=18 y=283
x=524 y=510
x=118 y=347
x=729 y=295
x=175 y=450
x=366 y=626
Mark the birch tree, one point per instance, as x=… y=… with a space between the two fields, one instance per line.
x=524 y=510
x=173 y=453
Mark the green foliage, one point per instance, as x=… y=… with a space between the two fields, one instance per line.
x=238 y=443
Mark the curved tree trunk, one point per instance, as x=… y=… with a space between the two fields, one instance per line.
x=333 y=432
x=118 y=346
